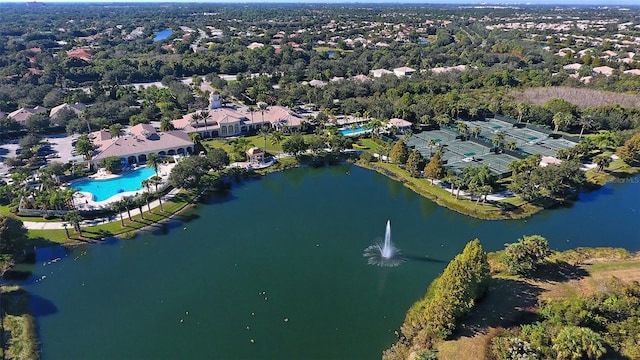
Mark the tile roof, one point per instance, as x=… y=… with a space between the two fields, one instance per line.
x=135 y=144
x=77 y=108
x=22 y=114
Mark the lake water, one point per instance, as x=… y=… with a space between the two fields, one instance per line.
x=285 y=247
x=163 y=35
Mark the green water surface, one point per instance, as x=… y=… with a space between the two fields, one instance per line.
x=285 y=247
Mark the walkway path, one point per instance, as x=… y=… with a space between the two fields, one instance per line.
x=58 y=225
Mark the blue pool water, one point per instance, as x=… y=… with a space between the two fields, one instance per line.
x=356 y=131
x=162 y=35
x=104 y=189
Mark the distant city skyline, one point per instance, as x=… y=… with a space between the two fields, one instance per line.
x=394 y=2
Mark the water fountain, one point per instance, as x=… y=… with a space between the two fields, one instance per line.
x=385 y=253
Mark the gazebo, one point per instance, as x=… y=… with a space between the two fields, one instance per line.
x=255 y=156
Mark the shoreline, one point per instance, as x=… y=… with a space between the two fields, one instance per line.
x=489 y=211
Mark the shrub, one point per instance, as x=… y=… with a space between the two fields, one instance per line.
x=522 y=257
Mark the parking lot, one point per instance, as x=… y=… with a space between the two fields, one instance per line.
x=56 y=148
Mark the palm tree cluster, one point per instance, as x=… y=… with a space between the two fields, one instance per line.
x=477 y=180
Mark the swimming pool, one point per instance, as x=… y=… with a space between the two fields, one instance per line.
x=357 y=131
x=104 y=189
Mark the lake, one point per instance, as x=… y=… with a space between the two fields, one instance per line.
x=163 y=35
x=274 y=269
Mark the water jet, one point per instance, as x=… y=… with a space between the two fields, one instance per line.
x=384 y=253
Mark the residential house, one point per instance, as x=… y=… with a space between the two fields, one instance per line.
x=379 y=72
x=632 y=72
x=403 y=71
x=21 y=115
x=604 y=70
x=82 y=54
x=76 y=108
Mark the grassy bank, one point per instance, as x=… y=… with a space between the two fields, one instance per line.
x=19 y=340
x=511 y=208
x=115 y=228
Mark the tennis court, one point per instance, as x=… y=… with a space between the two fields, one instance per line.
x=459 y=154
x=528 y=140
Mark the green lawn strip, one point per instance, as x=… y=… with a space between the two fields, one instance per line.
x=621 y=168
x=371 y=145
x=115 y=228
x=327 y=49
x=20 y=336
x=487 y=211
x=255 y=140
x=613 y=265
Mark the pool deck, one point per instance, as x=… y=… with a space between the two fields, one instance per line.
x=84 y=202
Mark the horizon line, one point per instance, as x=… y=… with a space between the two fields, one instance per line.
x=528 y=3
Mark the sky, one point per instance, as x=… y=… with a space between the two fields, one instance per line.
x=504 y=2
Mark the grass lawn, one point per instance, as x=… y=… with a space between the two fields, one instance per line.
x=368 y=144
x=98 y=232
x=255 y=140
x=327 y=49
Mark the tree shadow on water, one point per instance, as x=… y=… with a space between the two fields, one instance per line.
x=18 y=302
x=40 y=306
x=188 y=217
x=418 y=258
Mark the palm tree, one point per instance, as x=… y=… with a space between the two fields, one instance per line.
x=602 y=161
x=204 y=116
x=523 y=110
x=561 y=119
x=156 y=180
x=127 y=201
x=251 y=109
x=154 y=161
x=195 y=119
x=166 y=125
x=74 y=218
x=586 y=122
x=139 y=202
x=118 y=206
x=463 y=128
x=264 y=132
x=147 y=184
x=276 y=137
x=476 y=131
x=115 y=130
x=511 y=145
x=195 y=137
x=262 y=107
x=375 y=126
x=498 y=140
x=458 y=183
x=484 y=190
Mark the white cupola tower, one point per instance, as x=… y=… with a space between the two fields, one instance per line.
x=214 y=101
